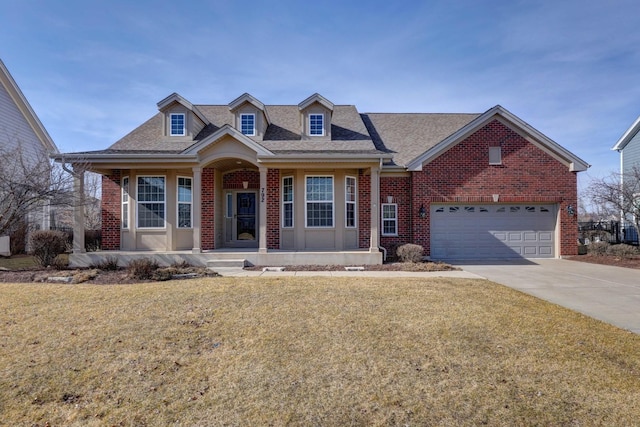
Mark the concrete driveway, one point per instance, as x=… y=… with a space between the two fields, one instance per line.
x=610 y=294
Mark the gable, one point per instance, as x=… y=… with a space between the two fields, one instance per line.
x=536 y=138
x=19 y=124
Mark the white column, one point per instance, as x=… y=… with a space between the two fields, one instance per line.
x=262 y=215
x=78 y=212
x=197 y=209
x=375 y=209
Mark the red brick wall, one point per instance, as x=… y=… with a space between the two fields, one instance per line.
x=233 y=180
x=207 y=225
x=400 y=189
x=273 y=209
x=364 y=209
x=111 y=210
x=527 y=174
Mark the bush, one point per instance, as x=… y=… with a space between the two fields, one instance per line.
x=18 y=239
x=598 y=248
x=46 y=245
x=92 y=240
x=622 y=251
x=410 y=253
x=110 y=263
x=143 y=268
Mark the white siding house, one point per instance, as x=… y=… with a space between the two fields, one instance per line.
x=20 y=127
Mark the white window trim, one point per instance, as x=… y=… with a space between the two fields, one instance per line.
x=184 y=124
x=499 y=151
x=333 y=204
x=323 y=124
x=178 y=202
x=383 y=219
x=254 y=124
x=348 y=202
x=138 y=202
x=124 y=201
x=293 y=195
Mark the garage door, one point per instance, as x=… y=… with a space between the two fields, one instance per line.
x=492 y=231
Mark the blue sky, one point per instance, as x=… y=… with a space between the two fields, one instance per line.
x=94 y=70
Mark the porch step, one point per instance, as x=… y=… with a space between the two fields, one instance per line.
x=222 y=263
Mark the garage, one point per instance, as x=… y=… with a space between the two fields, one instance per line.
x=492 y=231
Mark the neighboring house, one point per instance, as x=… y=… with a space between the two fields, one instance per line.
x=629 y=148
x=21 y=129
x=322 y=183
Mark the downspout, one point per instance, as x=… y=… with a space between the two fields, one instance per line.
x=384 y=251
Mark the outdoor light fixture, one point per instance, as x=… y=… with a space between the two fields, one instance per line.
x=422 y=212
x=570 y=210
x=245 y=184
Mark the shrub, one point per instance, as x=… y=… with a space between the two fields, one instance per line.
x=60 y=263
x=110 y=263
x=410 y=252
x=622 y=251
x=180 y=265
x=18 y=239
x=46 y=245
x=597 y=248
x=92 y=240
x=143 y=268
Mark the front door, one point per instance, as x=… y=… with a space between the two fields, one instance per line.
x=241 y=221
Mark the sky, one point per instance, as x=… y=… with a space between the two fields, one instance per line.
x=95 y=70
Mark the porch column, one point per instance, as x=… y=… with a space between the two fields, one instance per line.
x=375 y=209
x=262 y=215
x=197 y=211
x=78 y=211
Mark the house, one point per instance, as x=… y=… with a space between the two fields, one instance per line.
x=629 y=148
x=22 y=134
x=315 y=182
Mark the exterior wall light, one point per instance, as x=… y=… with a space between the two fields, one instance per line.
x=570 y=210
x=422 y=212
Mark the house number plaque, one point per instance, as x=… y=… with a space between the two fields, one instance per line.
x=262 y=195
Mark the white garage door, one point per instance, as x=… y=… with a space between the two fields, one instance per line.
x=492 y=231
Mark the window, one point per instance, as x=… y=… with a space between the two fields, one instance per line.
x=287 y=202
x=495 y=155
x=350 y=202
x=151 y=201
x=125 y=202
x=389 y=219
x=319 y=201
x=248 y=124
x=177 y=125
x=185 y=194
x=316 y=124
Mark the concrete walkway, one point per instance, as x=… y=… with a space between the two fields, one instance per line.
x=610 y=294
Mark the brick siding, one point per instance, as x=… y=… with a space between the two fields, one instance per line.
x=364 y=209
x=273 y=209
x=207 y=224
x=527 y=174
x=111 y=210
x=400 y=189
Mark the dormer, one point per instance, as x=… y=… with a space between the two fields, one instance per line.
x=181 y=120
x=249 y=115
x=315 y=116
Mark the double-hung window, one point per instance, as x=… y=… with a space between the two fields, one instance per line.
x=151 y=201
x=248 y=124
x=389 y=219
x=350 y=202
x=185 y=200
x=287 y=202
x=316 y=124
x=177 y=125
x=319 y=201
x=125 y=202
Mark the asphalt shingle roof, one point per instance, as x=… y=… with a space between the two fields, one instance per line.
x=405 y=136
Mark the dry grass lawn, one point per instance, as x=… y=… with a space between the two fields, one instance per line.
x=308 y=351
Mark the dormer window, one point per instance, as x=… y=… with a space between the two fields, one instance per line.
x=316 y=124
x=177 y=125
x=248 y=124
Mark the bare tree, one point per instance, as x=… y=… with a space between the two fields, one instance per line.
x=619 y=193
x=92 y=201
x=28 y=181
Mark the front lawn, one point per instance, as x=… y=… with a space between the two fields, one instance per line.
x=308 y=351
